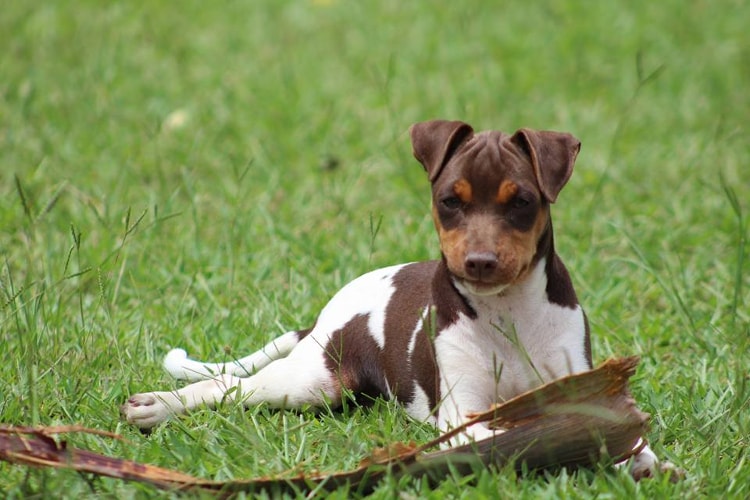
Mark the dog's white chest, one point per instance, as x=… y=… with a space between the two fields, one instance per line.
x=517 y=342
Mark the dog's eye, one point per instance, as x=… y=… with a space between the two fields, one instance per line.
x=452 y=202
x=519 y=202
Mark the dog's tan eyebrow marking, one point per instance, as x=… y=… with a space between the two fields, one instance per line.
x=462 y=188
x=506 y=191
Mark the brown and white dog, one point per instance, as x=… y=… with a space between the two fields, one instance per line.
x=496 y=316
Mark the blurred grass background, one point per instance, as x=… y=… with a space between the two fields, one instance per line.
x=207 y=175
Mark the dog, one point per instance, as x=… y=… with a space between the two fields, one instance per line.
x=495 y=316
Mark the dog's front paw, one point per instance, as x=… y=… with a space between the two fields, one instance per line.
x=150 y=409
x=646 y=470
x=645 y=465
x=473 y=434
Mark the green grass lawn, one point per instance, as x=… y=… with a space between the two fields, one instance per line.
x=206 y=175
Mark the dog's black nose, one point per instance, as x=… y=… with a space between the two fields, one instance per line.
x=480 y=265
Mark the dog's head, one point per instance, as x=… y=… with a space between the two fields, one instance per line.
x=490 y=196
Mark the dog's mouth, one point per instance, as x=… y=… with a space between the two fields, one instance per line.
x=490 y=286
x=479 y=287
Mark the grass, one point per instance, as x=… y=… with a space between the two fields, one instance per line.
x=207 y=176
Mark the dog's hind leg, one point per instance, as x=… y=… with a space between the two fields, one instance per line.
x=181 y=367
x=291 y=382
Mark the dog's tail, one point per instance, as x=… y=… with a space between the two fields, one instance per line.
x=181 y=367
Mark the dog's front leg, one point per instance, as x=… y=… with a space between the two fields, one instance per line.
x=473 y=433
x=459 y=402
x=151 y=408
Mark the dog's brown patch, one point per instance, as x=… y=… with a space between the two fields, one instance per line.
x=506 y=192
x=452 y=241
x=518 y=253
x=462 y=188
x=401 y=318
x=352 y=356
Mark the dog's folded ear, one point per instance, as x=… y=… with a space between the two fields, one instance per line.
x=552 y=154
x=434 y=142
